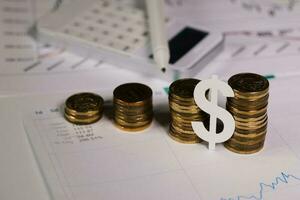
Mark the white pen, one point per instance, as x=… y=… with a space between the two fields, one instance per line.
x=159 y=43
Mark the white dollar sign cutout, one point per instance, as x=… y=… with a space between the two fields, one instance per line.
x=211 y=107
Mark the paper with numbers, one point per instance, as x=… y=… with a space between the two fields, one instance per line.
x=101 y=162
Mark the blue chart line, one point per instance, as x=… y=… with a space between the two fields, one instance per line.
x=282 y=179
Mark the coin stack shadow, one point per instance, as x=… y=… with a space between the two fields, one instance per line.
x=84 y=108
x=133 y=110
x=249 y=109
x=184 y=110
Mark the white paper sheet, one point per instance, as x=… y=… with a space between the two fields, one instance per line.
x=100 y=161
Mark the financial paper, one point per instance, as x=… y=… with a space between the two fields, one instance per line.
x=100 y=161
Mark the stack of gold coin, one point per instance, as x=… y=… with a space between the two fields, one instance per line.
x=184 y=110
x=84 y=108
x=133 y=110
x=249 y=109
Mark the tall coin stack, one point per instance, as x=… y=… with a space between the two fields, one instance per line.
x=249 y=109
x=84 y=108
x=184 y=110
x=133 y=109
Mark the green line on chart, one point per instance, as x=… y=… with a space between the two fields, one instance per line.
x=270 y=76
x=166 y=89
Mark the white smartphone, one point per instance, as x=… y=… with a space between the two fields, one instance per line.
x=118 y=33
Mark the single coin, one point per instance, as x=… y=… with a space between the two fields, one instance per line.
x=247 y=115
x=134 y=119
x=251 y=131
x=179 y=119
x=187 y=116
x=249 y=119
x=184 y=138
x=132 y=128
x=244 y=149
x=252 y=125
x=83 y=121
x=184 y=109
x=84 y=103
x=249 y=83
x=84 y=108
x=183 y=128
x=250 y=96
x=253 y=112
x=182 y=101
x=132 y=124
x=134 y=109
x=133 y=93
x=246 y=105
x=184 y=88
x=249 y=137
x=248 y=142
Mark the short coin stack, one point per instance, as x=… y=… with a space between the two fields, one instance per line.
x=184 y=110
x=249 y=109
x=133 y=110
x=83 y=108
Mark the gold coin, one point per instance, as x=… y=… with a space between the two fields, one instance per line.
x=186 y=130
x=249 y=84
x=132 y=124
x=131 y=115
x=184 y=110
x=179 y=120
x=133 y=93
x=81 y=115
x=248 y=141
x=249 y=119
x=183 y=88
x=133 y=105
x=250 y=96
x=249 y=137
x=189 y=117
x=186 y=101
x=133 y=110
x=132 y=129
x=251 y=125
x=134 y=119
x=250 y=134
x=84 y=108
x=249 y=112
x=251 y=131
x=82 y=121
x=183 y=138
x=84 y=103
x=249 y=109
x=247 y=116
x=243 y=149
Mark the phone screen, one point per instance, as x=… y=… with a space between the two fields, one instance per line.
x=184 y=41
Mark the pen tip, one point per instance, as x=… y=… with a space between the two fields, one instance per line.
x=163 y=69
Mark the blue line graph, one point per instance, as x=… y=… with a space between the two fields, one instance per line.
x=282 y=179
